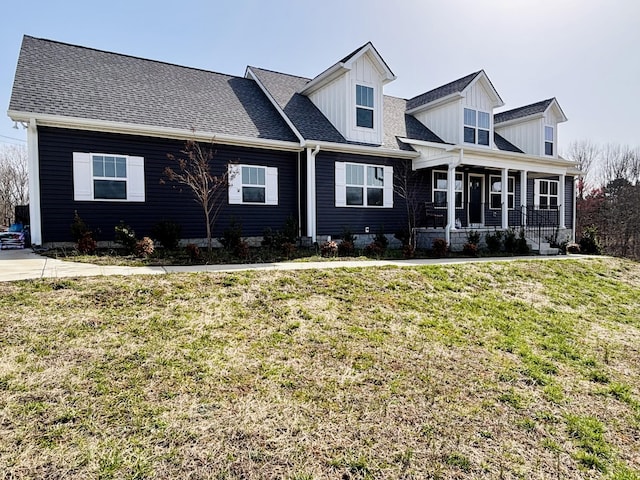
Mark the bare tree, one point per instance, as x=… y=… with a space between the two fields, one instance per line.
x=194 y=171
x=407 y=186
x=585 y=154
x=14 y=180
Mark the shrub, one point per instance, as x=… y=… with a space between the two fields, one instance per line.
x=381 y=240
x=573 y=248
x=346 y=248
x=329 y=249
x=144 y=247
x=86 y=244
x=126 y=236
x=290 y=230
x=348 y=236
x=439 y=247
x=510 y=241
x=241 y=250
x=404 y=235
x=473 y=237
x=408 y=251
x=232 y=236
x=374 y=249
x=277 y=239
x=470 y=249
x=78 y=228
x=167 y=233
x=590 y=243
x=493 y=241
x=288 y=249
x=521 y=243
x=194 y=252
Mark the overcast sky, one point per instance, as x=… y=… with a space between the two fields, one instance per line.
x=583 y=52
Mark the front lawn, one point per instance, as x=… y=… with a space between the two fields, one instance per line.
x=527 y=369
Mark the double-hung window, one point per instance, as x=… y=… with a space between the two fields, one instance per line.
x=360 y=185
x=440 y=189
x=476 y=127
x=495 y=200
x=548 y=141
x=546 y=194
x=364 y=106
x=253 y=184
x=108 y=177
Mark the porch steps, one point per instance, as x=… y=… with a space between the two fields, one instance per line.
x=543 y=249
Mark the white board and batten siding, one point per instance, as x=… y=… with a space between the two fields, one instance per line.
x=337 y=101
x=444 y=120
x=477 y=98
x=528 y=136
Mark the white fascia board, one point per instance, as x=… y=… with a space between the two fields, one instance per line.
x=360 y=149
x=435 y=161
x=152 y=131
x=275 y=104
x=512 y=164
x=382 y=65
x=556 y=105
x=518 y=157
x=447 y=147
x=515 y=121
x=498 y=102
x=440 y=101
x=324 y=78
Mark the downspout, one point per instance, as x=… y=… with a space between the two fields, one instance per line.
x=311 y=193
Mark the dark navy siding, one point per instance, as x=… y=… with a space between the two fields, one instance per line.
x=569 y=196
x=332 y=220
x=163 y=201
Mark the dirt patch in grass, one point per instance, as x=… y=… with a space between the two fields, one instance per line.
x=510 y=370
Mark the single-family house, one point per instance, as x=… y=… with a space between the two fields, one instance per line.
x=326 y=150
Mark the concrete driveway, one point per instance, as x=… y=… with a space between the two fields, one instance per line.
x=24 y=264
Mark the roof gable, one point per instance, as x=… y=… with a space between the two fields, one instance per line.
x=345 y=64
x=537 y=109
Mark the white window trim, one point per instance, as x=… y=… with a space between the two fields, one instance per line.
x=83 y=178
x=341 y=185
x=445 y=190
x=552 y=142
x=373 y=128
x=235 y=185
x=510 y=194
x=549 y=196
x=476 y=127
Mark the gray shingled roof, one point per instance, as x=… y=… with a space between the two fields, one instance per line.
x=504 y=144
x=520 y=112
x=60 y=79
x=453 y=87
x=313 y=125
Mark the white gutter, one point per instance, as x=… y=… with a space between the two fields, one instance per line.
x=45 y=120
x=361 y=149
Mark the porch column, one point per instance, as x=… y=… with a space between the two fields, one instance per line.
x=505 y=198
x=451 y=196
x=561 y=202
x=33 y=163
x=524 y=174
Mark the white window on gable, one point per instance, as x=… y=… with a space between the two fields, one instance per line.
x=253 y=184
x=364 y=106
x=476 y=127
x=548 y=141
x=546 y=194
x=360 y=185
x=439 y=189
x=108 y=177
x=495 y=200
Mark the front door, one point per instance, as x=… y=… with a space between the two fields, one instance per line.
x=475 y=199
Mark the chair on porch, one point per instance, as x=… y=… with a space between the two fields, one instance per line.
x=433 y=215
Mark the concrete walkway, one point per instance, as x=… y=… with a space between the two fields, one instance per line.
x=27 y=265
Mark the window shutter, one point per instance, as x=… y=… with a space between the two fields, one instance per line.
x=388 y=187
x=341 y=185
x=135 y=175
x=235 y=185
x=272 y=186
x=82 y=177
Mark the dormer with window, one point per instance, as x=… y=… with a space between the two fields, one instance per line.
x=460 y=112
x=350 y=95
x=533 y=128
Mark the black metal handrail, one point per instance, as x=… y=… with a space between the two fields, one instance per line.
x=540 y=223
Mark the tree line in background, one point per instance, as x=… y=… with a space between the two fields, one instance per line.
x=608 y=196
x=14 y=181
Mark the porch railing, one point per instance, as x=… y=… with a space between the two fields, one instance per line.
x=541 y=225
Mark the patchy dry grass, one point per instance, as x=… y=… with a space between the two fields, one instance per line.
x=506 y=370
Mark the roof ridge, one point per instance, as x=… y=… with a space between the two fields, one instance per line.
x=279 y=73
x=135 y=57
